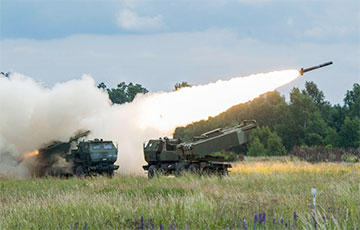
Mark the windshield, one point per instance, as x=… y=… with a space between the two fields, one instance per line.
x=106 y=145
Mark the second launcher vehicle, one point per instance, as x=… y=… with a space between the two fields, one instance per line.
x=171 y=156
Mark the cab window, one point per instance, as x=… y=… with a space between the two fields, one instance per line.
x=108 y=146
x=96 y=146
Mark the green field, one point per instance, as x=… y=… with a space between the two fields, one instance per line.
x=191 y=202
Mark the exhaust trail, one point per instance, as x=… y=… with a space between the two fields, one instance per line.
x=33 y=115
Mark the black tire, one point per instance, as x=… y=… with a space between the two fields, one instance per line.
x=110 y=173
x=223 y=172
x=206 y=171
x=79 y=171
x=180 y=169
x=194 y=168
x=153 y=171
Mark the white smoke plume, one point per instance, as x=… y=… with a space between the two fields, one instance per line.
x=32 y=115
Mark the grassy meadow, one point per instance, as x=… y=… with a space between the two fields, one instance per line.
x=277 y=186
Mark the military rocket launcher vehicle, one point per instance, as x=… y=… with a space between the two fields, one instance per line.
x=78 y=157
x=172 y=156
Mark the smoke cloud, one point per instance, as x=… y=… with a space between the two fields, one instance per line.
x=32 y=115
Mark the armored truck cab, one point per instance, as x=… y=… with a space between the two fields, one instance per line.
x=95 y=156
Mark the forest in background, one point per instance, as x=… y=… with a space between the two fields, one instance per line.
x=307 y=120
x=306 y=125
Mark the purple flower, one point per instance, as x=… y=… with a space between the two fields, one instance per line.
x=152 y=224
x=264 y=217
x=282 y=220
x=260 y=218
x=324 y=218
x=161 y=227
x=274 y=220
x=295 y=216
x=244 y=225
x=142 y=223
x=255 y=218
x=286 y=225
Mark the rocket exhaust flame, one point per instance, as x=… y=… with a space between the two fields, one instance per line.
x=30 y=154
x=57 y=113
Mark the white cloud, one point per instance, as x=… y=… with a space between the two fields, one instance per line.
x=323 y=31
x=158 y=61
x=129 y=20
x=290 y=22
x=130 y=3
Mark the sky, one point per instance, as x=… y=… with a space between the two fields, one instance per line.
x=157 y=43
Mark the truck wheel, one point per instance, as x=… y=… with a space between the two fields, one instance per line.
x=206 y=171
x=110 y=173
x=223 y=172
x=153 y=171
x=194 y=168
x=180 y=169
x=79 y=171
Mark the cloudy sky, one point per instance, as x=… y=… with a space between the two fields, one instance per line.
x=158 y=43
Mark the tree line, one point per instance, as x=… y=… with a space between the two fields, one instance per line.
x=306 y=120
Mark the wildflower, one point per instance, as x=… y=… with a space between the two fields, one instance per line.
x=274 y=220
x=264 y=217
x=282 y=220
x=161 y=227
x=152 y=224
x=260 y=218
x=255 y=218
x=239 y=225
x=244 y=225
x=286 y=225
x=295 y=216
x=142 y=223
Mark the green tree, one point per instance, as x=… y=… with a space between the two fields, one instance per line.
x=303 y=124
x=318 y=99
x=256 y=148
x=124 y=92
x=133 y=90
x=352 y=101
x=350 y=132
x=5 y=74
x=314 y=93
x=183 y=84
x=315 y=130
x=102 y=86
x=274 y=146
x=269 y=140
x=337 y=117
x=332 y=137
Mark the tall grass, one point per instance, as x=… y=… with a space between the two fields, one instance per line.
x=192 y=202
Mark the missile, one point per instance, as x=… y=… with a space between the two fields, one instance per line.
x=302 y=70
